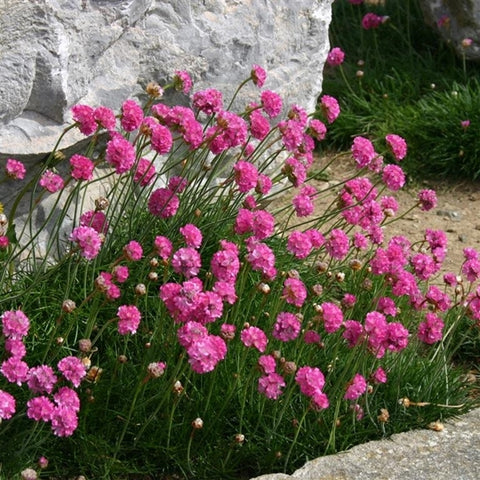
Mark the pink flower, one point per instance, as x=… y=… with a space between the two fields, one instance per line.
x=67 y=397
x=230 y=131
x=105 y=117
x=316 y=238
x=258 y=75
x=263 y=224
x=41 y=379
x=73 y=369
x=259 y=125
x=205 y=353
x=132 y=115
x=163 y=247
x=144 y=172
x=192 y=235
x=393 y=177
x=186 y=261
x=424 y=266
x=182 y=81
x=15 y=370
x=356 y=387
x=254 y=337
x=51 y=181
x=161 y=139
x=261 y=257
x=15 y=324
x=163 y=203
x=120 y=153
x=271 y=103
x=360 y=242
x=427 y=199
x=83 y=115
x=190 y=333
x=177 y=184
x=225 y=265
x=431 y=330
x=287 y=327
x=7 y=405
x=64 y=421
x=471 y=269
x=337 y=245
x=295 y=171
x=332 y=317
x=88 y=240
x=310 y=380
x=379 y=375
x=353 y=332
x=4 y=242
x=376 y=328
x=15 y=348
x=303 y=205
x=128 y=319
x=292 y=137
x=330 y=108
x=439 y=299
x=15 y=169
x=227 y=331
x=294 y=292
x=397 y=337
x=386 y=305
x=371 y=20
x=335 y=56
x=40 y=408
x=398 y=145
x=299 y=244
x=317 y=129
x=82 y=167
x=264 y=184
x=95 y=219
x=121 y=273
x=133 y=251
x=363 y=151
x=271 y=385
x=311 y=337
x=246 y=175
x=356 y=2
x=349 y=300
x=465 y=124
x=267 y=364
x=208 y=101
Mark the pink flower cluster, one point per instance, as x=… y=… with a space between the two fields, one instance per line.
x=15 y=169
x=88 y=240
x=311 y=381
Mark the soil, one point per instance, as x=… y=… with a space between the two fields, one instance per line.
x=457 y=212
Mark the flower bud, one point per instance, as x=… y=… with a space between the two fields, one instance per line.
x=140 y=289
x=29 y=474
x=197 y=424
x=178 y=387
x=384 y=415
x=355 y=264
x=101 y=203
x=154 y=90
x=68 y=306
x=156 y=369
x=43 y=462
x=153 y=276
x=154 y=263
x=122 y=359
x=85 y=345
x=264 y=288
x=239 y=438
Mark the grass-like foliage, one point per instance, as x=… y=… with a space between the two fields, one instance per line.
x=181 y=318
x=397 y=74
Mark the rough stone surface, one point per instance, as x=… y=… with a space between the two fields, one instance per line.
x=419 y=454
x=56 y=53
x=456 y=20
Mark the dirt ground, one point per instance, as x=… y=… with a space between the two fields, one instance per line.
x=457 y=212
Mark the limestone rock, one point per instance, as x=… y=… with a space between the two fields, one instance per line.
x=56 y=53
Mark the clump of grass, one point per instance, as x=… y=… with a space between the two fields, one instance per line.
x=401 y=78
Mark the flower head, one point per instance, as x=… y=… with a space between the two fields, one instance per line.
x=335 y=56
x=15 y=169
x=128 y=319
